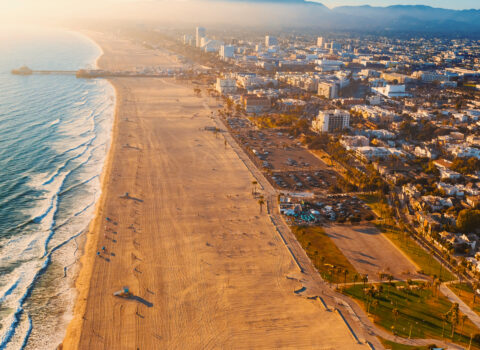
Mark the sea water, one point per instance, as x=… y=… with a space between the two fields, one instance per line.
x=54 y=137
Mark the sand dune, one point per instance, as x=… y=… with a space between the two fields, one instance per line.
x=207 y=270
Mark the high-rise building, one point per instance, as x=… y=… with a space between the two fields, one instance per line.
x=328 y=89
x=330 y=121
x=225 y=86
x=270 y=41
x=320 y=41
x=187 y=39
x=335 y=46
x=200 y=33
x=227 y=51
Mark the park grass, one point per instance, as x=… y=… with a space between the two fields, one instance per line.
x=396 y=346
x=465 y=292
x=324 y=254
x=418 y=310
x=424 y=260
x=373 y=202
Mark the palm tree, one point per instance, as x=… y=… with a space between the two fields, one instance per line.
x=355 y=279
x=254 y=183
x=261 y=202
x=375 y=303
x=364 y=280
x=464 y=318
x=454 y=316
x=345 y=272
x=476 y=286
x=437 y=284
x=444 y=318
x=395 y=314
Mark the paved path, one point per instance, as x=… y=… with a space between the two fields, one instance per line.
x=464 y=308
x=357 y=320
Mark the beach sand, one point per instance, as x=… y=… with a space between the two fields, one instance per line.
x=207 y=269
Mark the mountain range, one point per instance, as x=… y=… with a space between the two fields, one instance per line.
x=397 y=18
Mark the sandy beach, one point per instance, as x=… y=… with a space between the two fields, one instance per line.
x=206 y=268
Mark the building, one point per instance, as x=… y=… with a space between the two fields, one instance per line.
x=226 y=86
x=227 y=51
x=320 y=41
x=335 y=46
x=200 y=33
x=256 y=104
x=351 y=142
x=369 y=153
x=324 y=65
x=188 y=40
x=270 y=41
x=391 y=91
x=330 y=121
x=328 y=89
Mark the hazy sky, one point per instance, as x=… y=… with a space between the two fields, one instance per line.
x=23 y=12
x=457 y=4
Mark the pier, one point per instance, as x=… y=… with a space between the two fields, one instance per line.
x=93 y=73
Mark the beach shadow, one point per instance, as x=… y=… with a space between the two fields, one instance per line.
x=367 y=231
x=298 y=291
x=127 y=196
x=363 y=261
x=365 y=255
x=141 y=300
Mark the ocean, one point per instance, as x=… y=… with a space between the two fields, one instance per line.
x=54 y=136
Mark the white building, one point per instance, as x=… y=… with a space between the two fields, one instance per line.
x=270 y=41
x=330 y=121
x=351 y=142
x=320 y=41
x=200 y=33
x=226 y=86
x=227 y=51
x=188 y=40
x=391 y=91
x=328 y=65
x=328 y=89
x=370 y=153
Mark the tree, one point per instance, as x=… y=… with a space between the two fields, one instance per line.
x=468 y=220
x=454 y=317
x=464 y=318
x=254 y=183
x=395 y=314
x=476 y=286
x=261 y=202
x=364 y=280
x=345 y=272
x=444 y=318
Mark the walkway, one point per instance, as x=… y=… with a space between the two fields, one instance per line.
x=464 y=308
x=364 y=329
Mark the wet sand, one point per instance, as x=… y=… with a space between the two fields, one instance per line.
x=206 y=268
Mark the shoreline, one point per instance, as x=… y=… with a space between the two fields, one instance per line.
x=83 y=274
x=223 y=272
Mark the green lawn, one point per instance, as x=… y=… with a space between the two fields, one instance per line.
x=465 y=292
x=325 y=255
x=373 y=201
x=419 y=312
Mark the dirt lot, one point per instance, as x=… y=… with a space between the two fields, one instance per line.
x=370 y=252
